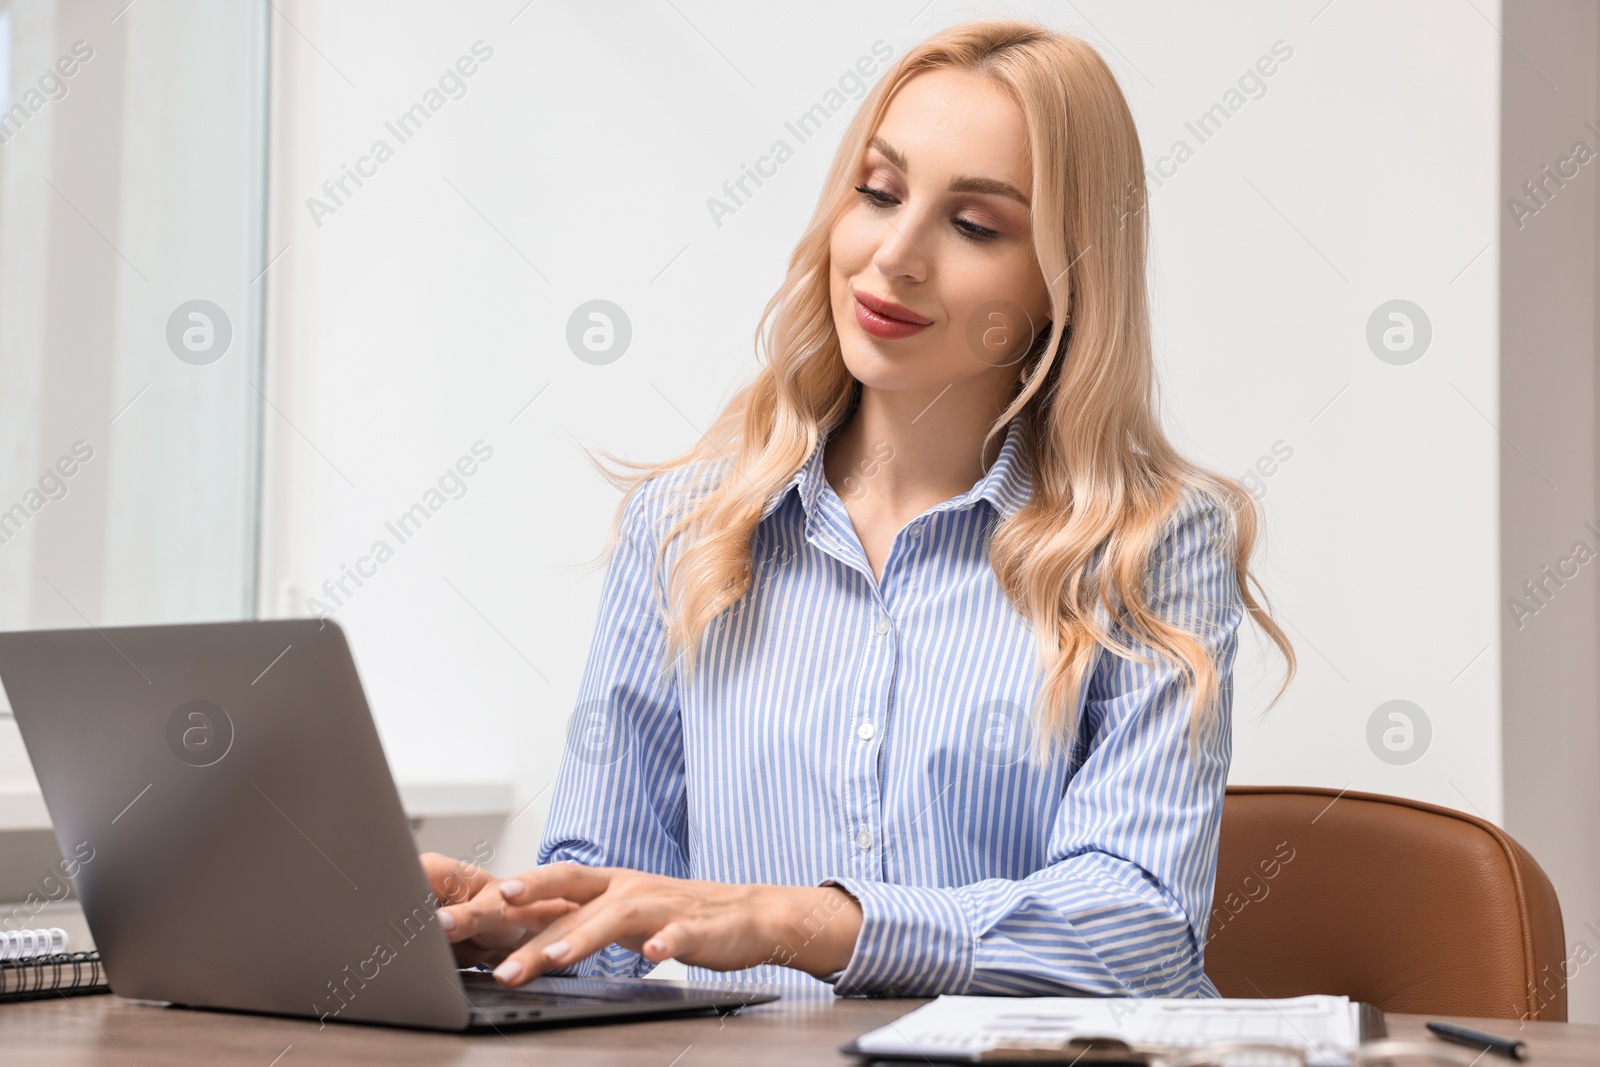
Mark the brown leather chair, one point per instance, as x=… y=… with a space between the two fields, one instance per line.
x=1408 y=906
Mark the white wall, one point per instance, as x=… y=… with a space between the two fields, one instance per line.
x=1364 y=174
x=425 y=313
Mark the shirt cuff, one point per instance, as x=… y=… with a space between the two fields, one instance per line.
x=915 y=941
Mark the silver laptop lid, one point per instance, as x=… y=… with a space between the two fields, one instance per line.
x=239 y=841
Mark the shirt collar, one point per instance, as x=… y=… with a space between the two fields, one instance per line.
x=1006 y=485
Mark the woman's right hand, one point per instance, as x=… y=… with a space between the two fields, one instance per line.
x=471 y=911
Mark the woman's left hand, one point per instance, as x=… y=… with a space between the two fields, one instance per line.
x=706 y=924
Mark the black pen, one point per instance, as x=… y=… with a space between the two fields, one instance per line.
x=1506 y=1046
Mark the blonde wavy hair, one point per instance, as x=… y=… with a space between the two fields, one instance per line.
x=1105 y=477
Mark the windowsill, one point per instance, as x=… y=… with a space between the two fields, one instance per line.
x=22 y=808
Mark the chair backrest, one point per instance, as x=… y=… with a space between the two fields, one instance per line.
x=1408 y=906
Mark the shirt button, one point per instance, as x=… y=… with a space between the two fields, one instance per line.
x=864 y=838
x=916 y=531
x=883 y=625
x=865 y=731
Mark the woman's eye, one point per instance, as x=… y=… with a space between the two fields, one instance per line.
x=974 y=231
x=965 y=227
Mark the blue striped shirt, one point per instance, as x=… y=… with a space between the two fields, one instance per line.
x=873 y=735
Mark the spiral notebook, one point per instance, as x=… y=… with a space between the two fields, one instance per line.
x=36 y=963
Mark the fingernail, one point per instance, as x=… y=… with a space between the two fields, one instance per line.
x=555 y=950
x=511 y=887
x=655 y=944
x=508 y=971
x=447 y=920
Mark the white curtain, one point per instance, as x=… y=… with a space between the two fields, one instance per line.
x=132 y=170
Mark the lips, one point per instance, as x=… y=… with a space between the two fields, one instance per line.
x=883 y=318
x=888 y=309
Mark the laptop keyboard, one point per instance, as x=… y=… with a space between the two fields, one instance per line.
x=484 y=992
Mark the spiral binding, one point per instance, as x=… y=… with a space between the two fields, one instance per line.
x=67 y=974
x=27 y=944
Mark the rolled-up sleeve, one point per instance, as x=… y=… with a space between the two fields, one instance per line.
x=619 y=796
x=1120 y=908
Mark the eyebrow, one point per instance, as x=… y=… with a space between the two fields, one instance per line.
x=991 y=186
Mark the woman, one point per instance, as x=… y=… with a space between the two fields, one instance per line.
x=914 y=675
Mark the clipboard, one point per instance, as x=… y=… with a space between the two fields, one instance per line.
x=1086 y=1050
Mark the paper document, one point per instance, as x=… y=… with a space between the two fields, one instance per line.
x=961 y=1028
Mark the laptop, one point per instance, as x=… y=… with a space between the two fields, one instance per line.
x=239 y=840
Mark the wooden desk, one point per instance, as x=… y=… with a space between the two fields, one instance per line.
x=122 y=1033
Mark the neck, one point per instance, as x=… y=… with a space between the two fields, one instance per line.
x=915 y=450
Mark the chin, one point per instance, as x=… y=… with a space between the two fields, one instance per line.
x=868 y=362
x=892 y=372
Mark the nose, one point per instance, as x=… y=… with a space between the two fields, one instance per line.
x=898 y=255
